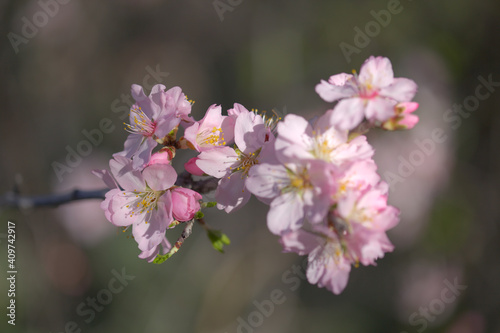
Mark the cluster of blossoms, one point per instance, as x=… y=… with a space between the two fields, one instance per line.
x=325 y=197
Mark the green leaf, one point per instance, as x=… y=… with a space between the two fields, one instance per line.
x=218 y=239
x=199 y=215
x=208 y=204
x=162 y=258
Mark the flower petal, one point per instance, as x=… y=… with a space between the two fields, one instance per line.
x=286 y=213
x=376 y=72
x=217 y=161
x=160 y=177
x=401 y=90
x=127 y=177
x=336 y=88
x=231 y=193
x=348 y=113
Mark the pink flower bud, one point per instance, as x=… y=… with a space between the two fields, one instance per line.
x=192 y=168
x=403 y=119
x=185 y=203
x=164 y=156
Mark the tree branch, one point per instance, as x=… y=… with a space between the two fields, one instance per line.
x=16 y=200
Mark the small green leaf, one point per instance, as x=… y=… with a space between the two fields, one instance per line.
x=162 y=258
x=199 y=215
x=218 y=239
x=208 y=204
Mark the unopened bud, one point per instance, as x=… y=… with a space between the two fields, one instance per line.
x=164 y=156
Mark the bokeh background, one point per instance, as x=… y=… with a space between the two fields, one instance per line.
x=64 y=77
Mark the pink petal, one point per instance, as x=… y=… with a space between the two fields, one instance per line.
x=160 y=176
x=335 y=277
x=127 y=177
x=231 y=193
x=120 y=212
x=217 y=161
x=266 y=181
x=401 y=90
x=249 y=132
x=143 y=154
x=190 y=134
x=286 y=213
x=380 y=109
x=348 y=113
x=300 y=241
x=106 y=177
x=192 y=168
x=237 y=110
x=294 y=139
x=165 y=124
x=336 y=88
x=409 y=121
x=377 y=72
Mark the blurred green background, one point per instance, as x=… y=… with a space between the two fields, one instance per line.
x=63 y=77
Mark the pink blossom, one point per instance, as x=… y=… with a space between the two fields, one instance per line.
x=357 y=176
x=331 y=253
x=143 y=201
x=327 y=266
x=298 y=140
x=371 y=94
x=185 y=203
x=367 y=207
x=294 y=192
x=152 y=118
x=254 y=145
x=214 y=130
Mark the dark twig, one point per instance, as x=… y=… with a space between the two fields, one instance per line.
x=15 y=200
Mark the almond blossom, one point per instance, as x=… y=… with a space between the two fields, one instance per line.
x=326 y=199
x=253 y=141
x=372 y=94
x=298 y=140
x=152 y=118
x=331 y=255
x=293 y=191
x=142 y=201
x=213 y=130
x=353 y=233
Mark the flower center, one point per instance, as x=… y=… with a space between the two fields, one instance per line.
x=367 y=91
x=142 y=203
x=322 y=148
x=213 y=137
x=299 y=181
x=361 y=215
x=246 y=161
x=141 y=125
